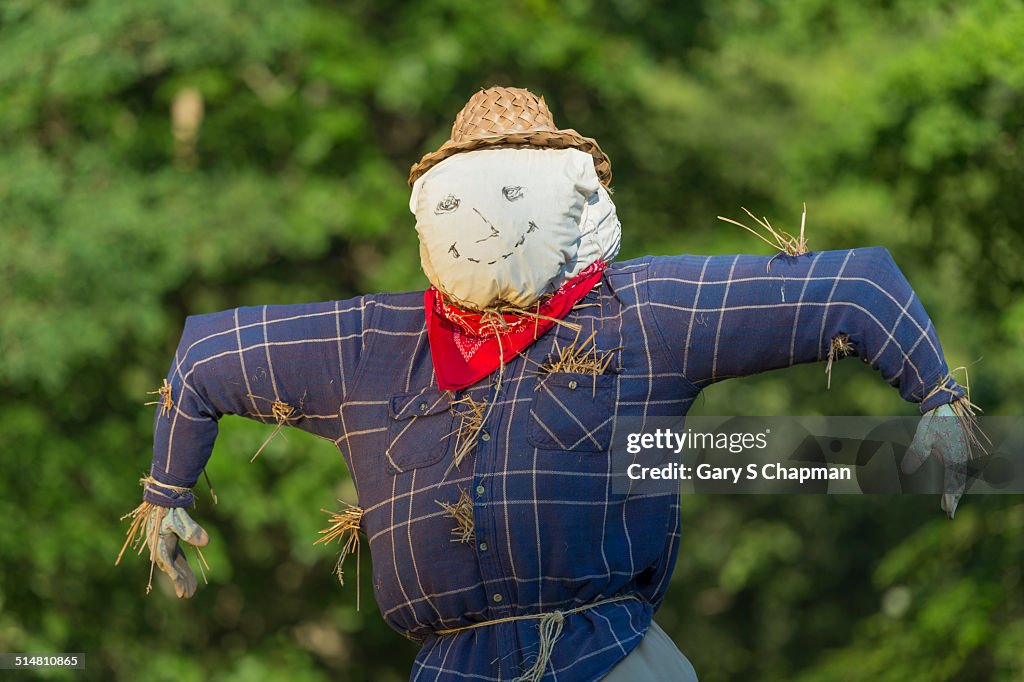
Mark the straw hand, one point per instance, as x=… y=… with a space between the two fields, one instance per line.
x=167 y=529
x=940 y=431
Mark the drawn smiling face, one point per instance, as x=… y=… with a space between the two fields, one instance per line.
x=511 y=193
x=501 y=224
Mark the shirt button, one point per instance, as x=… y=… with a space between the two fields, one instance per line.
x=483 y=546
x=573 y=385
x=497 y=598
x=479 y=490
x=423 y=407
x=485 y=436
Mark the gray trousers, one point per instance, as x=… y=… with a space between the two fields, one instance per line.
x=656 y=659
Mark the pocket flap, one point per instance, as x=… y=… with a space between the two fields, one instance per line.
x=573 y=412
x=420 y=403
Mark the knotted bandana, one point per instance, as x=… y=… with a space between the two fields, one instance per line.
x=467 y=346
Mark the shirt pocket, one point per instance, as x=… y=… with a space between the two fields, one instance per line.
x=572 y=412
x=420 y=425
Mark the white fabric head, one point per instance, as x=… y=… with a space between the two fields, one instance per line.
x=510 y=225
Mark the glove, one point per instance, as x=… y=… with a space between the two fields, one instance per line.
x=165 y=530
x=941 y=432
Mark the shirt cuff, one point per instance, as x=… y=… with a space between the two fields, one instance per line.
x=167 y=491
x=942 y=394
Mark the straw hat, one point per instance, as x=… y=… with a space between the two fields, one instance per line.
x=510 y=117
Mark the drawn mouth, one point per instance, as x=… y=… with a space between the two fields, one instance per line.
x=453 y=250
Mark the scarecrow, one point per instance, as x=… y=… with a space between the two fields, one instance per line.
x=476 y=417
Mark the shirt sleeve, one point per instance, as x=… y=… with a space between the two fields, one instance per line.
x=286 y=365
x=732 y=316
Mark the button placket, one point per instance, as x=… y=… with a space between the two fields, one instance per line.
x=485 y=460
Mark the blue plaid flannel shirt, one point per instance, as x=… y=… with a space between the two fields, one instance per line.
x=548 y=532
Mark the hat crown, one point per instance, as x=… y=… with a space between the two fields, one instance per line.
x=497 y=111
x=510 y=117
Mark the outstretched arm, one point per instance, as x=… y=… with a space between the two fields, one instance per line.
x=289 y=365
x=284 y=365
x=732 y=316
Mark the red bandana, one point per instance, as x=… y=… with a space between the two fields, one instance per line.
x=465 y=349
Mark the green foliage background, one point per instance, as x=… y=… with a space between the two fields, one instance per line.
x=899 y=123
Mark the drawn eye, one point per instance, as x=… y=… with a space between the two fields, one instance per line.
x=512 y=193
x=447 y=205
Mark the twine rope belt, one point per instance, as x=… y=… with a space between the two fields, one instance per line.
x=549 y=627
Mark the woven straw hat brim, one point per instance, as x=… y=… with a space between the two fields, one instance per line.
x=550 y=139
